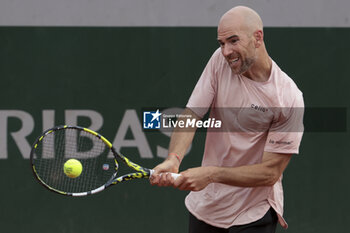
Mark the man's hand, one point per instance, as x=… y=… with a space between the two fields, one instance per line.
x=194 y=179
x=160 y=176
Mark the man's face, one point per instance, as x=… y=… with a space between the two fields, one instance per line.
x=238 y=48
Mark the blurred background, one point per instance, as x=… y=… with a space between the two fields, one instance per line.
x=100 y=64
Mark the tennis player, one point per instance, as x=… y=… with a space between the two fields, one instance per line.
x=238 y=188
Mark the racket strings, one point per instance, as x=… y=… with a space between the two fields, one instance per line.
x=58 y=146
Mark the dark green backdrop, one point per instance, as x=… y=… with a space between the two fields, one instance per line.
x=110 y=70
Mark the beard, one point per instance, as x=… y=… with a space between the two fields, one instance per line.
x=244 y=66
x=246 y=62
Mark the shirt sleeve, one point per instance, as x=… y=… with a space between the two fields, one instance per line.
x=204 y=92
x=286 y=131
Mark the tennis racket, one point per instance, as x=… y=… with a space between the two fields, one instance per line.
x=97 y=159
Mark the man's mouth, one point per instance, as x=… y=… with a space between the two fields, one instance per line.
x=232 y=61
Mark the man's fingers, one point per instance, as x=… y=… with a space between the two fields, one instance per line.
x=178 y=181
x=155 y=177
x=163 y=179
x=181 y=182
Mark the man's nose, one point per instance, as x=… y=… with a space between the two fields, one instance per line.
x=227 y=50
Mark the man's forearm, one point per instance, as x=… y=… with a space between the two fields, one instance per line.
x=181 y=138
x=180 y=142
x=265 y=173
x=244 y=176
x=195 y=179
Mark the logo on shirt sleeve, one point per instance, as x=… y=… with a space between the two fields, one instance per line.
x=280 y=142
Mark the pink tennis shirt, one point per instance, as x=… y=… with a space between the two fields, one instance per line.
x=257 y=117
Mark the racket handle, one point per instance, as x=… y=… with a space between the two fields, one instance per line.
x=174 y=175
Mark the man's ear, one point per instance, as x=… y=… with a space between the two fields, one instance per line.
x=259 y=38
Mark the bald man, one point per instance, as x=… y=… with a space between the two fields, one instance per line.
x=238 y=188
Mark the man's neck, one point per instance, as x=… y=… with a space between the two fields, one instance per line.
x=260 y=71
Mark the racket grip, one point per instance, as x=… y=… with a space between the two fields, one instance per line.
x=174 y=175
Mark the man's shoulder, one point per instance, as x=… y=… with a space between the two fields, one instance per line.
x=283 y=79
x=286 y=86
x=217 y=53
x=218 y=63
x=217 y=56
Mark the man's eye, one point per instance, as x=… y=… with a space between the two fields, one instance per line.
x=233 y=41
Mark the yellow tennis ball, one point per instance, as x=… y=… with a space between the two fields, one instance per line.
x=72 y=168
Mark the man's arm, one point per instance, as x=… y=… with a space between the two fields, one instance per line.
x=180 y=141
x=265 y=173
x=182 y=138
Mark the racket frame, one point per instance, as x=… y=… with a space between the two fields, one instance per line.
x=140 y=173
